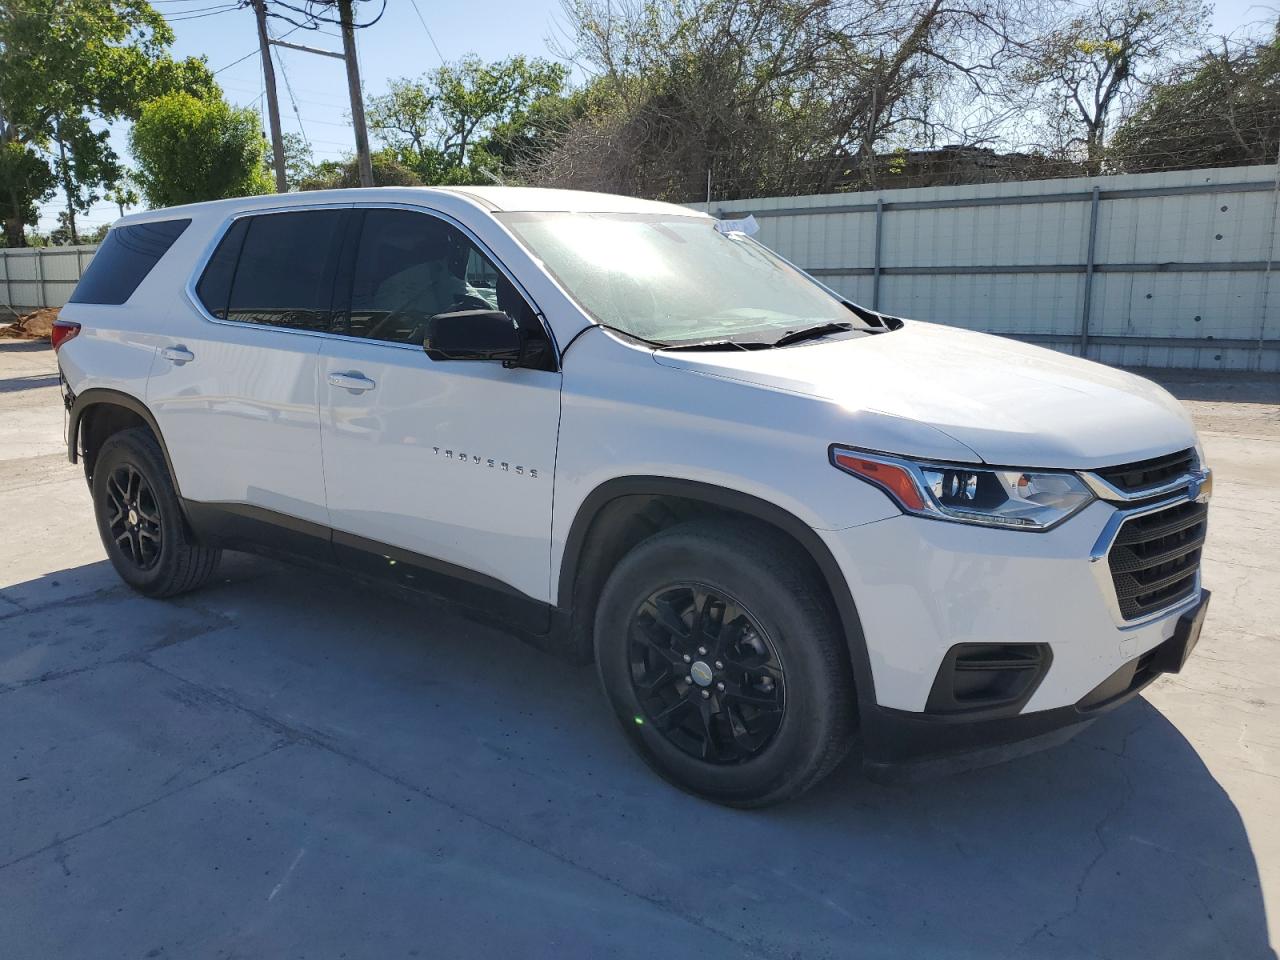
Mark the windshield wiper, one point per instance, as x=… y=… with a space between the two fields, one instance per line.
x=718 y=345
x=811 y=333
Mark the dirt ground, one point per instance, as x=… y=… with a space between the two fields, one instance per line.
x=31 y=326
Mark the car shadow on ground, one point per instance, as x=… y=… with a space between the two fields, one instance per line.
x=33 y=382
x=1219 y=386
x=24 y=346
x=1118 y=844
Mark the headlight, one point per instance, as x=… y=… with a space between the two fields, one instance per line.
x=1014 y=499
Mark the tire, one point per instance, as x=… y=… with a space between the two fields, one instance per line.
x=768 y=715
x=141 y=522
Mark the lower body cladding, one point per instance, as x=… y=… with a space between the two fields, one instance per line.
x=986 y=644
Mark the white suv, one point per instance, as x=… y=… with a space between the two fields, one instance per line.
x=778 y=521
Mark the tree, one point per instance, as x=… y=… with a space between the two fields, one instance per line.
x=298 y=160
x=440 y=124
x=776 y=96
x=68 y=67
x=404 y=117
x=25 y=180
x=190 y=149
x=1091 y=66
x=1222 y=109
x=123 y=194
x=337 y=174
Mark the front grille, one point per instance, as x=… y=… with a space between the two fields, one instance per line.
x=1135 y=477
x=1155 y=558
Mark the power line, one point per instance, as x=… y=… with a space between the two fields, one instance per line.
x=315 y=18
x=199 y=15
x=428 y=29
x=252 y=53
x=292 y=102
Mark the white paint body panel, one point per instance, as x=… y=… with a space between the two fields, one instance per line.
x=450 y=460
x=1008 y=403
x=935 y=584
x=242 y=420
x=253 y=420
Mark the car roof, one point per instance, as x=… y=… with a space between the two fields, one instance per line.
x=492 y=199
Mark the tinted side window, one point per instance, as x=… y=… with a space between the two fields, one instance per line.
x=124 y=259
x=214 y=288
x=411 y=266
x=284 y=277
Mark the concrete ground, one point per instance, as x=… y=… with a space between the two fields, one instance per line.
x=282 y=765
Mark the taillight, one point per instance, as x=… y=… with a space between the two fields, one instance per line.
x=63 y=330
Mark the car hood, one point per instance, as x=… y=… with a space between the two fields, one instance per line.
x=1010 y=403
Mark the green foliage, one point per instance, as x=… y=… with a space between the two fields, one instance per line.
x=190 y=150
x=123 y=194
x=463 y=122
x=299 y=163
x=69 y=66
x=1221 y=110
x=337 y=174
x=25 y=179
x=1097 y=60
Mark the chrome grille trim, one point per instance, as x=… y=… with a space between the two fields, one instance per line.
x=1104 y=489
x=1116 y=547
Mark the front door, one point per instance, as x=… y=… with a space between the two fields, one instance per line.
x=450 y=461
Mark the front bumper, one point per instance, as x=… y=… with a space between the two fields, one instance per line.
x=922 y=587
x=899 y=745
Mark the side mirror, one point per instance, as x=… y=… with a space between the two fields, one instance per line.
x=474 y=335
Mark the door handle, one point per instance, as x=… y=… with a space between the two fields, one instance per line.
x=178 y=355
x=355 y=381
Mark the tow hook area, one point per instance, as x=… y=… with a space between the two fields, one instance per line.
x=68 y=401
x=68 y=396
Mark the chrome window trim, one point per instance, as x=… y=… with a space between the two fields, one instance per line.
x=202 y=264
x=1106 y=540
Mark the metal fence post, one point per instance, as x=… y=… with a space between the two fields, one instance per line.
x=40 y=294
x=1266 y=278
x=875 y=270
x=8 y=282
x=1086 y=307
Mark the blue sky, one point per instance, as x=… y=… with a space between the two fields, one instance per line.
x=397 y=46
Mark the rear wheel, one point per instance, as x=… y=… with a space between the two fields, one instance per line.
x=721 y=654
x=140 y=520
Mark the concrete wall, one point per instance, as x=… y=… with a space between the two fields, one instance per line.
x=1159 y=270
x=33 y=277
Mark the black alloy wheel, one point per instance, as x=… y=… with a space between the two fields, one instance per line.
x=140 y=519
x=134 y=520
x=705 y=673
x=724 y=662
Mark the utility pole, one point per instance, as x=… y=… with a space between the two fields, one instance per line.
x=357 y=97
x=273 y=105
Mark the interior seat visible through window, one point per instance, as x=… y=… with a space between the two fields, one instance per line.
x=411 y=266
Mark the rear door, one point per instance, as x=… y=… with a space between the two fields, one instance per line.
x=235 y=393
x=448 y=461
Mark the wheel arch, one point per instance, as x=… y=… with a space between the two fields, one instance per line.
x=122 y=411
x=597 y=539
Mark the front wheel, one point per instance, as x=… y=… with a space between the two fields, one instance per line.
x=721 y=654
x=141 y=522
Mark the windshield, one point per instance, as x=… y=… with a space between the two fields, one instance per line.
x=675 y=280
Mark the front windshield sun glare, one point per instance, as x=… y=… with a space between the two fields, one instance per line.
x=677 y=280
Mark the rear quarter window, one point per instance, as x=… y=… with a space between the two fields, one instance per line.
x=124 y=260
